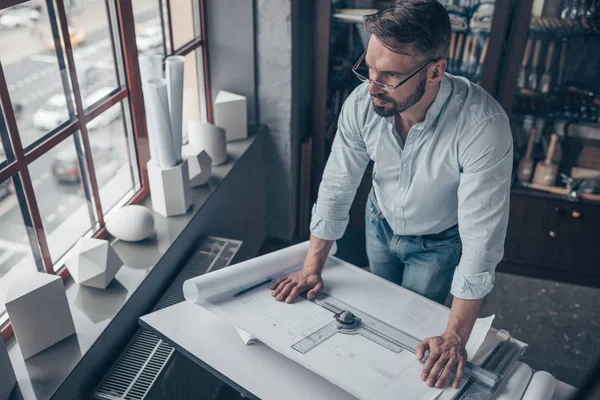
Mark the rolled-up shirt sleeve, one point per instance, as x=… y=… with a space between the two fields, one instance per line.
x=343 y=173
x=486 y=159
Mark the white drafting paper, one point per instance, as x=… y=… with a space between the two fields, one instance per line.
x=158 y=101
x=352 y=362
x=247 y=338
x=150 y=68
x=174 y=75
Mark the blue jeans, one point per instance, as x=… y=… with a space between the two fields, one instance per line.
x=424 y=264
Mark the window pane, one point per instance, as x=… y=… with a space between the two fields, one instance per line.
x=15 y=251
x=182 y=19
x=148 y=29
x=110 y=150
x=93 y=52
x=63 y=208
x=32 y=70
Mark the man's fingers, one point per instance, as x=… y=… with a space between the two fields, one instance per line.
x=286 y=290
x=459 y=372
x=422 y=348
x=280 y=286
x=295 y=292
x=431 y=360
x=314 y=291
x=441 y=381
x=275 y=284
x=436 y=370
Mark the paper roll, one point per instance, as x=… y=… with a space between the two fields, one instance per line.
x=210 y=138
x=515 y=382
x=158 y=102
x=541 y=387
x=276 y=264
x=174 y=75
x=150 y=68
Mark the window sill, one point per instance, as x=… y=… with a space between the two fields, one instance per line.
x=105 y=319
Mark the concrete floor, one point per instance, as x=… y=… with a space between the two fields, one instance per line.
x=560 y=322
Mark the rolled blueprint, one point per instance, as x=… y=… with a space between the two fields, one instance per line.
x=276 y=264
x=150 y=68
x=174 y=75
x=158 y=102
x=515 y=382
x=541 y=387
x=208 y=137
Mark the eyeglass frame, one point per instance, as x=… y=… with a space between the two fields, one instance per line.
x=384 y=86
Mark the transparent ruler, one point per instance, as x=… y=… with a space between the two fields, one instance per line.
x=349 y=320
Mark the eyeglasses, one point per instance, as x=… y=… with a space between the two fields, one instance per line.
x=386 y=87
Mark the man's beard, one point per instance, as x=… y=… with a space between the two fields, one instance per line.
x=395 y=107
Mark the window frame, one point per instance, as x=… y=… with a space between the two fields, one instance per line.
x=18 y=159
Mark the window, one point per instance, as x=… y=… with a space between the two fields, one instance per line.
x=72 y=129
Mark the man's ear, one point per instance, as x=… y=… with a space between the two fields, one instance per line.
x=438 y=71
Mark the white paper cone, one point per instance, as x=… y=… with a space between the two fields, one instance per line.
x=150 y=68
x=174 y=75
x=158 y=102
x=210 y=138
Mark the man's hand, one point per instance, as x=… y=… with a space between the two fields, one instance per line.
x=445 y=353
x=291 y=286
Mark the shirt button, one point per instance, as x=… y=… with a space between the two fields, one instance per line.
x=404 y=164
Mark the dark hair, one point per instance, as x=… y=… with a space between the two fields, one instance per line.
x=421 y=27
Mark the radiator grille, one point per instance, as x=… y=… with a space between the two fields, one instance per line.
x=132 y=375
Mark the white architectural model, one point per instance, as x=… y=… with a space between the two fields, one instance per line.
x=170 y=189
x=231 y=114
x=363 y=364
x=200 y=164
x=39 y=312
x=210 y=138
x=7 y=374
x=93 y=262
x=131 y=223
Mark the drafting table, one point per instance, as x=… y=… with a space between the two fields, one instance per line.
x=256 y=371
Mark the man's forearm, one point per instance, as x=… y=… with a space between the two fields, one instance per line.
x=463 y=315
x=318 y=250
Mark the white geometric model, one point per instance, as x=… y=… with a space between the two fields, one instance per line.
x=7 y=374
x=199 y=162
x=170 y=188
x=93 y=262
x=209 y=137
x=231 y=114
x=131 y=223
x=37 y=306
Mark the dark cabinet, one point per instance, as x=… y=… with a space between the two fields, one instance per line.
x=553 y=238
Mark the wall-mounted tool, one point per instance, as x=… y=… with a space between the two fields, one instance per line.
x=532 y=78
x=526 y=164
x=561 y=62
x=547 y=76
x=523 y=71
x=545 y=171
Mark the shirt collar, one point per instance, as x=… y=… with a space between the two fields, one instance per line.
x=440 y=100
x=436 y=107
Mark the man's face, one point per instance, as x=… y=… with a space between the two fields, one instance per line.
x=391 y=68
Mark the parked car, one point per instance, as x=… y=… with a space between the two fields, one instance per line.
x=65 y=167
x=52 y=113
x=149 y=38
x=5 y=189
x=17 y=16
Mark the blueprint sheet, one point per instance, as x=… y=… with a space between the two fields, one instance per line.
x=352 y=362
